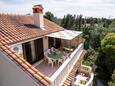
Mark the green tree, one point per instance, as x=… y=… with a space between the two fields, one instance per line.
x=112 y=25
x=68 y=22
x=49 y=16
x=112 y=82
x=108 y=45
x=79 y=22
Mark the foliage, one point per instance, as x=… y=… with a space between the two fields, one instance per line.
x=112 y=82
x=50 y=16
x=106 y=57
x=108 y=45
x=102 y=71
x=72 y=22
x=90 y=57
x=112 y=25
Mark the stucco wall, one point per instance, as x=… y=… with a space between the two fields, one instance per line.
x=19 y=46
x=38 y=20
x=72 y=43
x=12 y=75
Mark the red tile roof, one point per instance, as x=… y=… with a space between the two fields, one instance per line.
x=16 y=28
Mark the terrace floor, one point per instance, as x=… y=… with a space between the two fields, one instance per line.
x=46 y=69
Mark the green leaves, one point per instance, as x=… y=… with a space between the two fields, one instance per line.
x=49 y=16
x=108 y=45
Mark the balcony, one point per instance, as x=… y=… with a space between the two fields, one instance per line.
x=58 y=73
x=84 y=77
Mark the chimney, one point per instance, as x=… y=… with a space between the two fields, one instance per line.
x=38 y=16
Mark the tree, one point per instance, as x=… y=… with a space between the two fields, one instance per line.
x=112 y=25
x=49 y=16
x=112 y=82
x=68 y=22
x=108 y=45
x=78 y=22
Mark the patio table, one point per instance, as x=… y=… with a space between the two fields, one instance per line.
x=56 y=55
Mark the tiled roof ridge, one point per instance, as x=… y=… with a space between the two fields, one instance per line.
x=18 y=15
x=29 y=68
x=25 y=15
x=12 y=14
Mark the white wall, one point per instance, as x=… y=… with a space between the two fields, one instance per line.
x=12 y=75
x=39 y=20
x=19 y=46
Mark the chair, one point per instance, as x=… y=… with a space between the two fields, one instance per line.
x=49 y=61
x=45 y=55
x=49 y=51
x=66 y=55
x=60 y=61
x=52 y=49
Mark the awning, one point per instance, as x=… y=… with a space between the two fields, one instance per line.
x=65 y=34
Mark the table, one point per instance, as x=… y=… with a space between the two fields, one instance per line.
x=56 y=55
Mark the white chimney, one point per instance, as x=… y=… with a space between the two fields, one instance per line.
x=38 y=16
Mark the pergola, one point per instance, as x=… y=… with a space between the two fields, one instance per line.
x=65 y=35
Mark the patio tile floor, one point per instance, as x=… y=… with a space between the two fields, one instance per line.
x=47 y=69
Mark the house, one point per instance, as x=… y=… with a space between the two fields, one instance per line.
x=23 y=41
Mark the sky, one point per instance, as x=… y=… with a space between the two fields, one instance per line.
x=88 y=8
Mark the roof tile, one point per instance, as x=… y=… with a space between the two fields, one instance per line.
x=15 y=28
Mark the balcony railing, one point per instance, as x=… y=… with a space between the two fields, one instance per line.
x=87 y=70
x=61 y=74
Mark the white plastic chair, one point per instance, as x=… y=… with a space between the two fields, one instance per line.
x=45 y=55
x=67 y=56
x=49 y=51
x=49 y=61
x=60 y=61
x=52 y=49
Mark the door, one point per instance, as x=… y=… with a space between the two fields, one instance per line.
x=39 y=53
x=57 y=43
x=54 y=42
x=27 y=52
x=50 y=42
